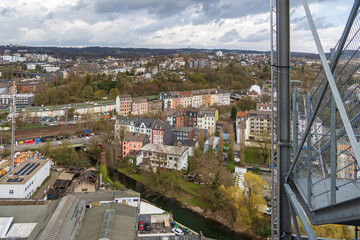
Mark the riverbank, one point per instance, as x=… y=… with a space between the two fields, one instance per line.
x=188 y=199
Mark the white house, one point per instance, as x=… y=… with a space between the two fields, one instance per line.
x=165 y=156
x=24 y=180
x=255 y=88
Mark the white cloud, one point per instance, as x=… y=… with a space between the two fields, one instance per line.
x=163 y=24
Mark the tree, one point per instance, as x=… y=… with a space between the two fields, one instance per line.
x=243 y=205
x=233 y=113
x=70 y=112
x=99 y=94
x=87 y=92
x=246 y=104
x=114 y=92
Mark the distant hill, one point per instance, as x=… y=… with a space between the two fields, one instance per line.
x=72 y=52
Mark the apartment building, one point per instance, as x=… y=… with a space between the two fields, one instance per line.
x=258 y=125
x=123 y=104
x=161 y=132
x=21 y=100
x=207 y=119
x=195 y=98
x=139 y=107
x=191 y=115
x=134 y=125
x=132 y=143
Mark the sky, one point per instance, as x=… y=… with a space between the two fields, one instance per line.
x=210 y=24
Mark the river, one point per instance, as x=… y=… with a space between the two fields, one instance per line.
x=190 y=219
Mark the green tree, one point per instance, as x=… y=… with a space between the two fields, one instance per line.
x=233 y=113
x=246 y=104
x=114 y=92
x=99 y=94
x=87 y=92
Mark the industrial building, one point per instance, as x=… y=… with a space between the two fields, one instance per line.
x=24 y=180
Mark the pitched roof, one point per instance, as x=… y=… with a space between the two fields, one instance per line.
x=242 y=114
x=135 y=137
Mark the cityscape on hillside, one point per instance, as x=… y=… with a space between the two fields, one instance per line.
x=154 y=132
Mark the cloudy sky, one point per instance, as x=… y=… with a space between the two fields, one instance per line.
x=229 y=24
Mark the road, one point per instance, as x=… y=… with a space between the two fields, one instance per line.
x=75 y=140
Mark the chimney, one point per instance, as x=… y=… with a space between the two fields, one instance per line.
x=102 y=158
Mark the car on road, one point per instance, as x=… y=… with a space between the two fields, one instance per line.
x=141 y=226
x=86 y=139
x=177 y=231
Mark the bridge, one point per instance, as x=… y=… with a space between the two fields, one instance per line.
x=317 y=177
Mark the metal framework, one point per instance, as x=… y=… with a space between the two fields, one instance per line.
x=321 y=182
x=273 y=140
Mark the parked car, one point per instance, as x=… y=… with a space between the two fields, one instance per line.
x=147 y=226
x=177 y=231
x=141 y=226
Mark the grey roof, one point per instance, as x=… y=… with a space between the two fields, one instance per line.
x=135 y=137
x=61 y=220
x=106 y=195
x=23 y=213
x=174 y=150
x=147 y=121
x=124 y=222
x=161 y=125
x=183 y=129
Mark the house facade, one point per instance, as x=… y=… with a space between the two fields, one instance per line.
x=123 y=104
x=132 y=143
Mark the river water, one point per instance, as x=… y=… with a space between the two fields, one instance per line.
x=190 y=219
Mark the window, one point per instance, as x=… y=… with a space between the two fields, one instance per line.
x=11 y=191
x=135 y=200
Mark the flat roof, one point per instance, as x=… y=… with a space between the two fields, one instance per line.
x=23 y=213
x=21 y=230
x=22 y=173
x=146 y=208
x=5 y=225
x=106 y=195
x=167 y=149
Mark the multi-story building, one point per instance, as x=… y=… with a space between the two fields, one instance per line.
x=164 y=156
x=139 y=107
x=161 y=133
x=195 y=98
x=21 y=100
x=135 y=125
x=123 y=104
x=258 y=125
x=182 y=134
x=207 y=119
x=191 y=115
x=186 y=99
x=24 y=180
x=241 y=119
x=132 y=143
x=205 y=100
x=223 y=98
x=203 y=118
x=214 y=99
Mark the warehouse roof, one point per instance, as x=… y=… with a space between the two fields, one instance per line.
x=109 y=221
